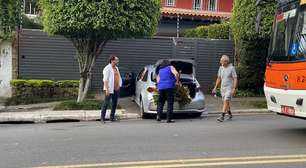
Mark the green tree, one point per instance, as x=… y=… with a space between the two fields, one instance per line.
x=9 y=18
x=90 y=24
x=250 y=46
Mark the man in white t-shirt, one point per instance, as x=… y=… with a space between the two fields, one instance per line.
x=227 y=76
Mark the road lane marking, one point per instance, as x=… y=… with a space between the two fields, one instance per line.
x=219 y=161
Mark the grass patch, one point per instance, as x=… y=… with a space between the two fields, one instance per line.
x=86 y=105
x=259 y=104
x=30 y=100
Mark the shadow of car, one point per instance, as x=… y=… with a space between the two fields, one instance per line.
x=128 y=84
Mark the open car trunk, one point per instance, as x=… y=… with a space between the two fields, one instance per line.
x=186 y=69
x=184 y=66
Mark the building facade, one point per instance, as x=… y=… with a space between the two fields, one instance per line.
x=179 y=15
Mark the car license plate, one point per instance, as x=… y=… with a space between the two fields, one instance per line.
x=288 y=110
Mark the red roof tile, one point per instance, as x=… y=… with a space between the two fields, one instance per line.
x=195 y=13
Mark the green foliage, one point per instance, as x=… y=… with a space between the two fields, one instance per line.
x=199 y=32
x=67 y=83
x=91 y=24
x=86 y=105
x=182 y=96
x=244 y=16
x=250 y=46
x=103 y=19
x=251 y=68
x=214 y=31
x=36 y=91
x=43 y=83
x=259 y=104
x=31 y=100
x=219 y=31
x=9 y=18
x=31 y=23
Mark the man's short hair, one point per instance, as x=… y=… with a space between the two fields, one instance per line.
x=225 y=57
x=112 y=58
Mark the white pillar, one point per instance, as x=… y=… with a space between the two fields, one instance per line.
x=6 y=69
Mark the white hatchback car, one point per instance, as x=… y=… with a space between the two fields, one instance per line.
x=146 y=80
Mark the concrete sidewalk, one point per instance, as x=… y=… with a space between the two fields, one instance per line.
x=40 y=113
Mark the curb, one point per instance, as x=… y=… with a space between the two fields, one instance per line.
x=49 y=116
x=92 y=115
x=243 y=112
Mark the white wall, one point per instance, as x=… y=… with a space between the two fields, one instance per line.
x=5 y=69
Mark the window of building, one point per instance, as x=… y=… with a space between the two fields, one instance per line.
x=197 y=4
x=170 y=2
x=30 y=7
x=212 y=5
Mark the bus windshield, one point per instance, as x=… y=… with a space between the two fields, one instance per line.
x=298 y=47
x=289 y=37
x=284 y=27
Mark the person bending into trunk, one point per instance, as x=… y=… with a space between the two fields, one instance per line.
x=167 y=79
x=228 y=78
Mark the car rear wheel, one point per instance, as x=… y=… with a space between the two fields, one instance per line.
x=143 y=114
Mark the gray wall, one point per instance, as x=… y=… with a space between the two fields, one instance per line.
x=53 y=57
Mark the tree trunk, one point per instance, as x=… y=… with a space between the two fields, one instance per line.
x=88 y=50
x=83 y=88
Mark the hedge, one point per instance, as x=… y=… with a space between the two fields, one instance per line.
x=214 y=31
x=219 y=31
x=34 y=91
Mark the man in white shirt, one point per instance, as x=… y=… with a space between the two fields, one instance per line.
x=112 y=82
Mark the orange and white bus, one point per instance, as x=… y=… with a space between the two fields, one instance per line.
x=285 y=76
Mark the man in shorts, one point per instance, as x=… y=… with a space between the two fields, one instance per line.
x=227 y=76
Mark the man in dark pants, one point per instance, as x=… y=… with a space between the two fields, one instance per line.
x=112 y=83
x=167 y=79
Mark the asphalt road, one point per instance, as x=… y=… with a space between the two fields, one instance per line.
x=256 y=141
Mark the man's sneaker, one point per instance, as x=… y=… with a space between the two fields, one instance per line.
x=230 y=117
x=221 y=118
x=102 y=121
x=114 y=120
x=170 y=121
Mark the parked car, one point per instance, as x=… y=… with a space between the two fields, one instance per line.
x=146 y=80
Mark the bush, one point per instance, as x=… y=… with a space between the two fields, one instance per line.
x=219 y=31
x=191 y=33
x=31 y=23
x=199 y=32
x=36 y=91
x=86 y=105
x=215 y=31
x=250 y=46
x=251 y=68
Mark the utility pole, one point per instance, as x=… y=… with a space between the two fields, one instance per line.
x=178 y=26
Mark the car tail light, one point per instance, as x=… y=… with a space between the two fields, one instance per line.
x=151 y=89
